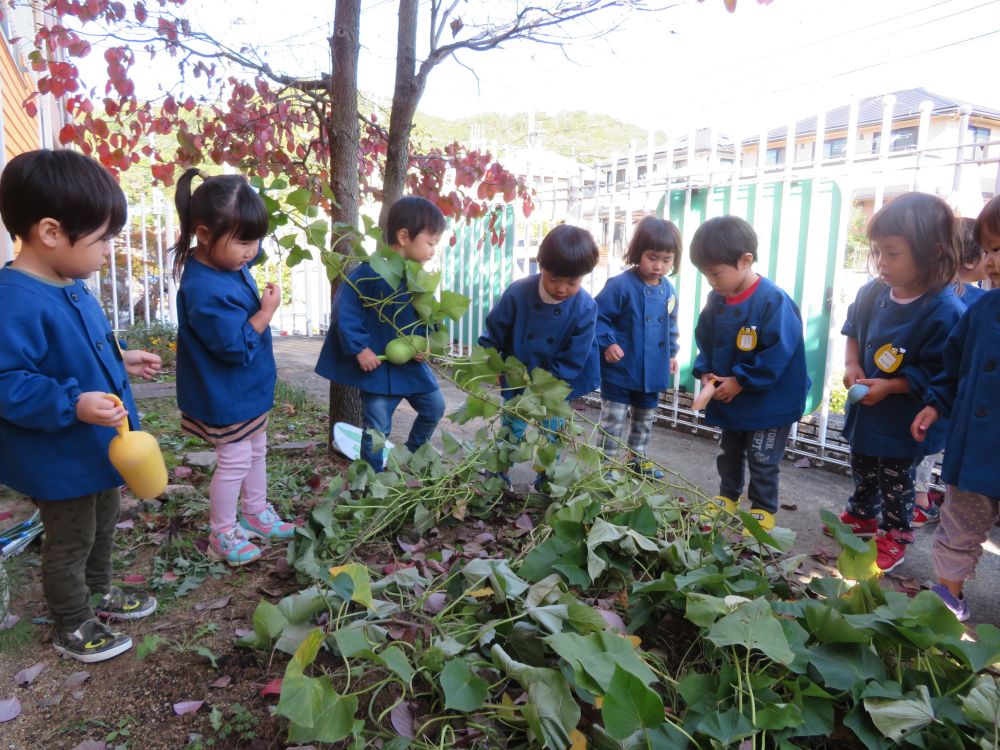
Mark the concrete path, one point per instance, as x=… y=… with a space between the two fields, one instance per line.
x=809 y=490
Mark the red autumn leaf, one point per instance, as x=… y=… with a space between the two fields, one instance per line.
x=272 y=688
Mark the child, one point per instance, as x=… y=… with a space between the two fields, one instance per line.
x=225 y=366
x=58 y=361
x=896 y=330
x=971 y=270
x=637 y=335
x=968 y=389
x=546 y=320
x=362 y=330
x=750 y=347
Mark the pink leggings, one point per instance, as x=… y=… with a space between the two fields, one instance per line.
x=240 y=465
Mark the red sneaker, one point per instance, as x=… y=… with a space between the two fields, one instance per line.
x=891 y=548
x=865 y=528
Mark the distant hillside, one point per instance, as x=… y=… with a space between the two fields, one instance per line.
x=584 y=136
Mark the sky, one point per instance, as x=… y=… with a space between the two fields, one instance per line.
x=691 y=64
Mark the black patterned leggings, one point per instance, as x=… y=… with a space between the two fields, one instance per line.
x=883 y=486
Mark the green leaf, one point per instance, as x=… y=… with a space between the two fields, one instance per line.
x=451 y=445
x=629 y=705
x=149 y=644
x=268 y=622
x=595 y=657
x=501 y=578
x=397 y=662
x=288 y=241
x=389 y=266
x=753 y=626
x=425 y=305
x=463 y=689
x=301 y=698
x=857 y=560
x=979 y=653
x=359 y=576
x=899 y=718
x=302 y=606
x=982 y=703
x=703 y=610
x=352 y=641
x=773 y=716
x=454 y=305
x=299 y=199
x=727 y=727
x=212 y=657
x=316 y=234
x=828 y=625
x=840 y=665
x=333 y=716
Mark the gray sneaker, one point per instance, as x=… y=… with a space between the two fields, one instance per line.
x=119 y=604
x=93 y=641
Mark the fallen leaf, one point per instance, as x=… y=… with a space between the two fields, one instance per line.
x=484 y=538
x=8 y=621
x=524 y=522
x=219 y=603
x=803 y=463
x=402 y=720
x=92 y=745
x=27 y=675
x=52 y=700
x=613 y=620
x=201 y=543
x=789 y=506
x=270 y=592
x=134 y=580
x=414 y=484
x=128 y=524
x=410 y=546
x=10 y=709
x=187 y=707
x=170 y=577
x=221 y=682
x=434 y=603
x=182 y=472
x=75 y=680
x=243 y=632
x=272 y=688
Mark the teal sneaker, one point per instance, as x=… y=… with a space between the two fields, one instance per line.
x=233 y=547
x=92 y=642
x=119 y=604
x=267 y=524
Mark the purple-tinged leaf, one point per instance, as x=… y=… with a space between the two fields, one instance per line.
x=410 y=546
x=126 y=524
x=201 y=543
x=134 y=580
x=8 y=621
x=182 y=472
x=170 y=577
x=524 y=522
x=27 y=675
x=76 y=680
x=803 y=463
x=10 y=709
x=219 y=603
x=243 y=632
x=221 y=682
x=92 y=745
x=434 y=603
x=187 y=707
x=272 y=688
x=401 y=718
x=614 y=622
x=484 y=538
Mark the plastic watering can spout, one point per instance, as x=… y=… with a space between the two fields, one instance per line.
x=137 y=457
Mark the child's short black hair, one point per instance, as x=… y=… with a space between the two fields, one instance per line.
x=654 y=234
x=972 y=251
x=415 y=215
x=927 y=224
x=63 y=185
x=988 y=220
x=723 y=241
x=568 y=251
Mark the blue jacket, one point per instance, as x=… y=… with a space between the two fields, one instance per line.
x=971 y=295
x=558 y=338
x=968 y=390
x=642 y=320
x=355 y=326
x=905 y=341
x=225 y=369
x=56 y=344
x=759 y=341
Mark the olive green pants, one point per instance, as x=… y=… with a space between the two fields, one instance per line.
x=76 y=554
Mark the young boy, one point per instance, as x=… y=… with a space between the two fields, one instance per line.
x=750 y=346
x=58 y=359
x=361 y=331
x=546 y=320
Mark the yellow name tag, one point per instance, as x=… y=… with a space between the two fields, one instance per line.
x=888 y=358
x=746 y=339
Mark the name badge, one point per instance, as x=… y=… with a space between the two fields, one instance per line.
x=746 y=339
x=888 y=358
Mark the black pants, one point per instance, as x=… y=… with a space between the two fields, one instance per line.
x=76 y=554
x=761 y=451
x=883 y=486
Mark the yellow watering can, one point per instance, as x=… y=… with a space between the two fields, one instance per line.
x=137 y=457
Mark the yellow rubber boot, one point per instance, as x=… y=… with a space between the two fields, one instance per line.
x=763 y=517
x=720 y=504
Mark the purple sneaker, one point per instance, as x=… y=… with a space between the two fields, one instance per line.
x=958 y=607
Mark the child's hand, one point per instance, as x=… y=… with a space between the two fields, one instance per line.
x=852 y=373
x=673 y=365
x=141 y=364
x=708 y=378
x=613 y=354
x=368 y=360
x=94 y=407
x=878 y=389
x=923 y=421
x=270 y=298
x=727 y=389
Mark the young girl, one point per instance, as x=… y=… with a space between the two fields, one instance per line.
x=896 y=330
x=637 y=336
x=969 y=391
x=225 y=366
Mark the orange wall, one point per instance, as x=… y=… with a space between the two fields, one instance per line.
x=20 y=130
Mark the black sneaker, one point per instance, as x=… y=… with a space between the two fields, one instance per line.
x=93 y=641
x=118 y=604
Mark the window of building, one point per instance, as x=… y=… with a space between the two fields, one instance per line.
x=640 y=172
x=834 y=148
x=609 y=178
x=902 y=139
x=620 y=175
x=775 y=156
x=680 y=163
x=980 y=135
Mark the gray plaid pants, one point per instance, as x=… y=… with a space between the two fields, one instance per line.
x=613 y=424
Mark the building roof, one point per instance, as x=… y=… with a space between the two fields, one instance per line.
x=906 y=107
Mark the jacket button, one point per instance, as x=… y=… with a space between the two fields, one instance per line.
x=991 y=366
x=99 y=344
x=660 y=318
x=648 y=318
x=531 y=337
x=661 y=344
x=869 y=345
x=550 y=340
x=648 y=292
x=982 y=411
x=75 y=297
x=557 y=311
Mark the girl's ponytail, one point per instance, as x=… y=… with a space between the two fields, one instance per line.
x=182 y=200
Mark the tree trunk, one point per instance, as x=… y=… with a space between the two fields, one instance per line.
x=344 y=137
x=405 y=97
